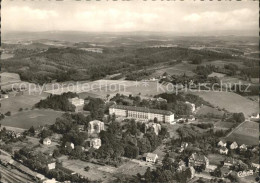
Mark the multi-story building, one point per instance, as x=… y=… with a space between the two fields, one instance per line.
x=141 y=113
x=196 y=160
x=77 y=101
x=95 y=126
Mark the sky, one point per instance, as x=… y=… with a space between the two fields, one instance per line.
x=126 y=16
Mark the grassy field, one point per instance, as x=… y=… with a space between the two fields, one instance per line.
x=247 y=133
x=220 y=125
x=101 y=88
x=221 y=63
x=232 y=102
x=13 y=104
x=36 y=117
x=178 y=69
x=209 y=110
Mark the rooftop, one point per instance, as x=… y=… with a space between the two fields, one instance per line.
x=142 y=109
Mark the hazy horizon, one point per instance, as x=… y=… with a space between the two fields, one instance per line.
x=187 y=18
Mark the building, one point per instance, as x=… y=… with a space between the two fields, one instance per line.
x=141 y=113
x=77 y=101
x=228 y=162
x=69 y=144
x=223 y=150
x=81 y=128
x=155 y=126
x=51 y=165
x=95 y=126
x=196 y=160
x=184 y=145
x=150 y=157
x=243 y=147
x=222 y=143
x=234 y=145
x=49 y=180
x=47 y=141
x=95 y=143
x=4 y=96
x=193 y=107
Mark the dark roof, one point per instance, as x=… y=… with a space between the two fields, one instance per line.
x=142 y=109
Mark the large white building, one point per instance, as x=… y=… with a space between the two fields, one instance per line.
x=77 y=101
x=141 y=113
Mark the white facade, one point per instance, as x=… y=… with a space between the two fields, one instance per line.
x=47 y=141
x=77 y=101
x=95 y=126
x=141 y=113
x=95 y=143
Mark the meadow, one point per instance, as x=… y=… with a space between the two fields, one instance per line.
x=35 y=117
x=229 y=101
x=247 y=133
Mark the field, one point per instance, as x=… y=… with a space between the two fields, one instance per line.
x=232 y=102
x=178 y=69
x=102 y=88
x=104 y=173
x=204 y=110
x=36 y=117
x=221 y=63
x=220 y=125
x=14 y=103
x=247 y=133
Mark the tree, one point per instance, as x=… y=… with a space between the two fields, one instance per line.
x=155 y=120
x=8 y=113
x=31 y=131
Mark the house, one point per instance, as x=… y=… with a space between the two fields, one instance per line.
x=4 y=96
x=46 y=141
x=95 y=126
x=228 y=162
x=243 y=147
x=51 y=165
x=81 y=128
x=181 y=165
x=150 y=157
x=193 y=107
x=222 y=143
x=40 y=176
x=223 y=150
x=184 y=145
x=155 y=126
x=95 y=143
x=49 y=180
x=234 y=145
x=196 y=160
x=69 y=144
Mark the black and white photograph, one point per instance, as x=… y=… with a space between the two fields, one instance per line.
x=129 y=91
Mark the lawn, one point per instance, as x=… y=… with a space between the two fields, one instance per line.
x=230 y=101
x=35 y=117
x=247 y=133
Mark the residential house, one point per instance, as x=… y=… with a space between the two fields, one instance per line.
x=234 y=145
x=95 y=126
x=196 y=160
x=155 y=126
x=181 y=165
x=51 y=165
x=222 y=143
x=184 y=145
x=81 y=128
x=223 y=150
x=228 y=162
x=150 y=157
x=47 y=141
x=95 y=143
x=53 y=180
x=69 y=144
x=243 y=147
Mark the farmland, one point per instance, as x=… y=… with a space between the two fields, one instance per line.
x=204 y=110
x=102 y=88
x=246 y=133
x=232 y=102
x=26 y=119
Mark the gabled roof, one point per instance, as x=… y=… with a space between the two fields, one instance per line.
x=198 y=157
x=151 y=156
